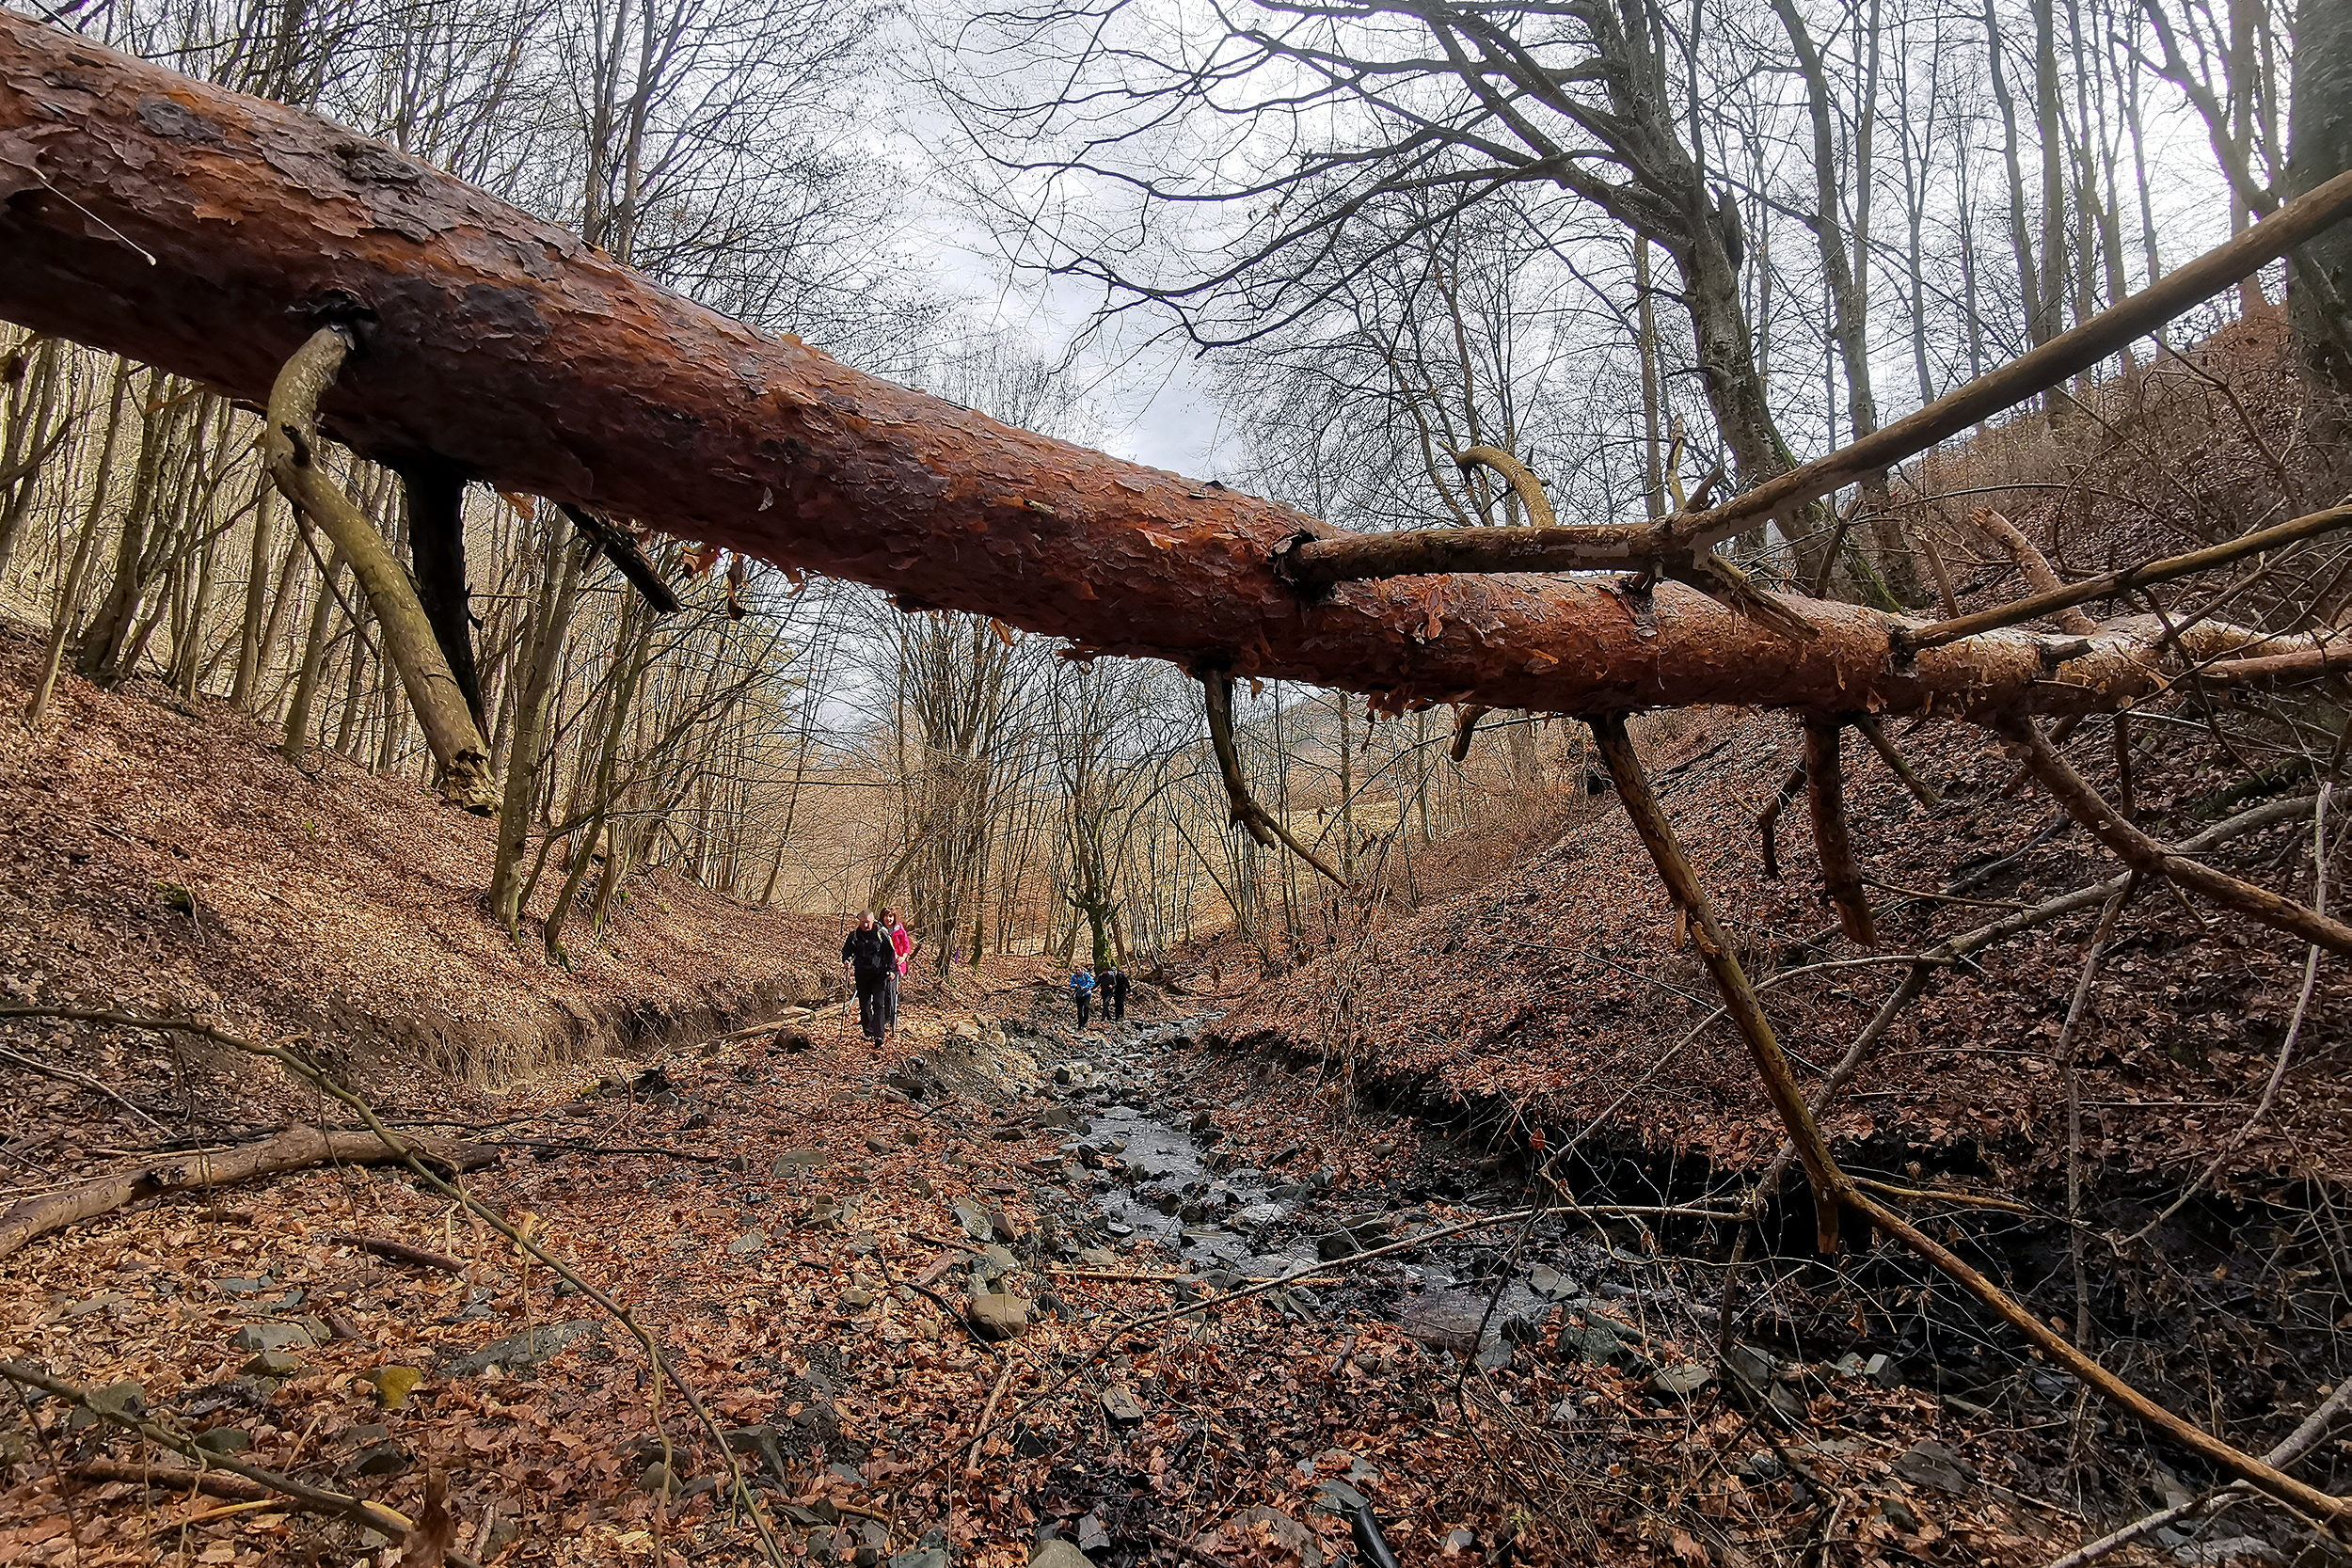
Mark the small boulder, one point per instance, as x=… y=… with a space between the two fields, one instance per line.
x=1058 y=1553
x=1121 y=1404
x=265 y=1337
x=998 y=1316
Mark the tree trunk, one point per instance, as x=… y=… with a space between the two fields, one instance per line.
x=2319 y=136
x=494 y=340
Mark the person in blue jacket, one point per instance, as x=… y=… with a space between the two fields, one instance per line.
x=1081 y=992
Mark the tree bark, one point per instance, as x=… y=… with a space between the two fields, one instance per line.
x=507 y=347
x=2319 y=147
x=295 y=1148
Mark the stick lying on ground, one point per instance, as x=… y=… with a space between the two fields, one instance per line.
x=313 y=1499
x=296 y=1149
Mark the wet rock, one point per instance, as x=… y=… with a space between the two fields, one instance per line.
x=1338 y=1244
x=1339 y=1497
x=268 y=1337
x=1930 y=1464
x=522 y=1352
x=1897 y=1513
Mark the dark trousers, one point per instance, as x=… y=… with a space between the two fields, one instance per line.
x=1082 y=998
x=1117 y=1007
x=873 y=1006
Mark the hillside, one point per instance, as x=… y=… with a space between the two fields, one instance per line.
x=160 y=855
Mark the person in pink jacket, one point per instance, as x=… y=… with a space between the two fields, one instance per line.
x=903 y=943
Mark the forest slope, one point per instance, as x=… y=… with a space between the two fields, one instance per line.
x=160 y=854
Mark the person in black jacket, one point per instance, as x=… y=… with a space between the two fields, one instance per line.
x=1117 y=994
x=872 y=964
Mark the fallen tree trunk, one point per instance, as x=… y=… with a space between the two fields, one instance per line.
x=212 y=233
x=295 y=1148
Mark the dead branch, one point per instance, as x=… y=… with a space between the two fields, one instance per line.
x=1515 y=473
x=296 y=1149
x=1825 y=793
x=2265 y=1477
x=401 y=1252
x=291 y=445
x=1882 y=743
x=1768 y=820
x=1323 y=561
x=621 y=548
x=2053 y=598
x=1253 y=818
x=2142 y=853
x=1682 y=884
x=793 y=450
x=212 y=1483
x=1465 y=731
x=440 y=1178
x=66 y=1075
x=383 y=1519
x=2298 y=1442
x=2304 y=664
x=2040 y=575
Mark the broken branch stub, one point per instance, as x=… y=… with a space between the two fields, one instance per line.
x=290 y=445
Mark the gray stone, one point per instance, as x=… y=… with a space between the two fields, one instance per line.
x=521 y=1352
x=1882 y=1370
x=225 y=1440
x=1339 y=1497
x=748 y=1243
x=798 y=1162
x=856 y=1301
x=1930 y=1464
x=1336 y=1246
x=271 y=1337
x=973 y=1220
x=658 y=1480
x=1750 y=1365
x=1680 y=1383
x=1093 y=1537
x=273 y=1363
x=1121 y=1404
x=1549 y=1281
x=2229 y=1548
x=921 y=1557
x=1058 y=1553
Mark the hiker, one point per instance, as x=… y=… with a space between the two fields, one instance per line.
x=872 y=964
x=1081 y=992
x=1115 y=998
x=902 y=953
